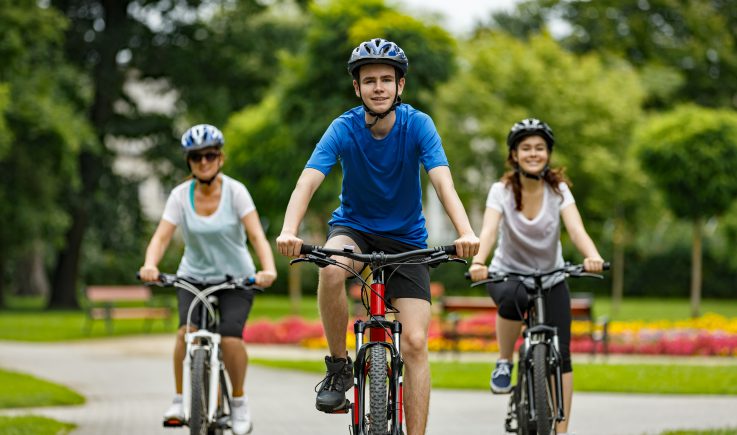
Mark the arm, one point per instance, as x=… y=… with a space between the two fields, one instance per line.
x=155 y=250
x=574 y=225
x=478 y=269
x=266 y=276
x=288 y=243
x=467 y=244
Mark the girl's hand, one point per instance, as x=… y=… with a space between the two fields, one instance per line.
x=478 y=272
x=264 y=278
x=149 y=273
x=593 y=264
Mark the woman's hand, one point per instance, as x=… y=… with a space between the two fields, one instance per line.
x=593 y=264
x=264 y=278
x=478 y=272
x=149 y=273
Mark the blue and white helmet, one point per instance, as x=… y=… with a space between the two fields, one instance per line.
x=202 y=136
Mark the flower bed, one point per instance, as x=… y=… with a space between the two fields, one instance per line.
x=710 y=334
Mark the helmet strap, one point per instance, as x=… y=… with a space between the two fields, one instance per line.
x=539 y=176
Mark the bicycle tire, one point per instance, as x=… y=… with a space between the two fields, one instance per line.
x=542 y=391
x=521 y=400
x=378 y=392
x=200 y=383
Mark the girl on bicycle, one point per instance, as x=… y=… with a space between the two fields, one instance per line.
x=529 y=202
x=213 y=210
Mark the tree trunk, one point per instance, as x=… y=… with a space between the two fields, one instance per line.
x=64 y=288
x=618 y=265
x=30 y=273
x=698 y=228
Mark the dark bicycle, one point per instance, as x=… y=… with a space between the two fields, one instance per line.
x=206 y=392
x=384 y=413
x=533 y=408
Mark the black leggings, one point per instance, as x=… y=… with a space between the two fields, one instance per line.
x=234 y=305
x=511 y=299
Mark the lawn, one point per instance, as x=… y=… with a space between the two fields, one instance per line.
x=614 y=378
x=33 y=425
x=20 y=391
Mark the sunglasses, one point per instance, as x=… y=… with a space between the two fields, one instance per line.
x=197 y=157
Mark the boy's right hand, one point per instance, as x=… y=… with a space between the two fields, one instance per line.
x=288 y=244
x=149 y=273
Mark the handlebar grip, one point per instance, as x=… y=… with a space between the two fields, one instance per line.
x=607 y=265
x=448 y=249
x=306 y=249
x=467 y=275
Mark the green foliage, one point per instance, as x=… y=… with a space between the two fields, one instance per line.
x=691 y=154
x=591 y=105
x=23 y=391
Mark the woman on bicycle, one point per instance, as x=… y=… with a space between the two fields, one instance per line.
x=529 y=202
x=213 y=210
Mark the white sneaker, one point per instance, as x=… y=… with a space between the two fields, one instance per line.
x=175 y=411
x=240 y=417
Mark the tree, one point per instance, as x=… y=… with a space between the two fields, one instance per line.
x=691 y=154
x=41 y=132
x=592 y=106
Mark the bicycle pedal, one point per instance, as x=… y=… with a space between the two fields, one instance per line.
x=345 y=409
x=173 y=422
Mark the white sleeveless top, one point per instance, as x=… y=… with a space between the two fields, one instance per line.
x=215 y=245
x=529 y=245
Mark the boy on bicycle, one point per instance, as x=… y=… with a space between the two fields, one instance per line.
x=380 y=146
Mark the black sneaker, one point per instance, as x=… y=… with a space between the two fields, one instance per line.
x=338 y=380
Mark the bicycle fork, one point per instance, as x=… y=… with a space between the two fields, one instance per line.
x=377 y=335
x=194 y=341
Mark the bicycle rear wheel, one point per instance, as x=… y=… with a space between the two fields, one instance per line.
x=378 y=392
x=542 y=391
x=200 y=383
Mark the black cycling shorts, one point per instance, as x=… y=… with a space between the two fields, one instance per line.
x=511 y=299
x=234 y=306
x=407 y=281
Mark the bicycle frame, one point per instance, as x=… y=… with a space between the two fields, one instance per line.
x=380 y=329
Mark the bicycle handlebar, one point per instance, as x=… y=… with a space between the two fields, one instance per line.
x=318 y=252
x=571 y=270
x=168 y=280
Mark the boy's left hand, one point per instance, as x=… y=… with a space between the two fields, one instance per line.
x=467 y=245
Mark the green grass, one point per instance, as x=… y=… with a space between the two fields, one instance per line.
x=613 y=378
x=33 y=425
x=661 y=309
x=20 y=391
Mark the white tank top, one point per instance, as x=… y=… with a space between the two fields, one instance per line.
x=529 y=245
x=214 y=245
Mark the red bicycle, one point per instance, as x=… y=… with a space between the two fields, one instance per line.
x=381 y=413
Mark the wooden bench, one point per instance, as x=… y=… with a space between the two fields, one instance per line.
x=582 y=305
x=123 y=302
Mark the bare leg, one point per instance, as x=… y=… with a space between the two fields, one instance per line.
x=235 y=358
x=562 y=427
x=507 y=332
x=332 y=300
x=415 y=317
x=179 y=349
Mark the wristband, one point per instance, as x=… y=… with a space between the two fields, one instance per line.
x=479 y=263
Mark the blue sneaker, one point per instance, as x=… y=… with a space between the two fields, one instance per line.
x=501 y=377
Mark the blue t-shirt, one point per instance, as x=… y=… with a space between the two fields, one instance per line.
x=381 y=192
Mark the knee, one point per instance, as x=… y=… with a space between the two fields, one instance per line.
x=332 y=278
x=414 y=344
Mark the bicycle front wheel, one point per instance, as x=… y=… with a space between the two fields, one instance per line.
x=200 y=383
x=542 y=391
x=378 y=392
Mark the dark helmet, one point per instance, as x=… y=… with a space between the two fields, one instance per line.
x=378 y=50
x=530 y=127
x=201 y=136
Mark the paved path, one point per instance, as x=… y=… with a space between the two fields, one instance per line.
x=127 y=383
